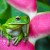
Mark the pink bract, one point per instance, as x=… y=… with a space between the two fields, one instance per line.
x=20 y=46
x=40 y=24
x=29 y=5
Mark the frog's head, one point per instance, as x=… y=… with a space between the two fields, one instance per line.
x=19 y=20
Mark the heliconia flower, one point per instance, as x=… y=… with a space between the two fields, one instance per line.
x=28 y=7
x=40 y=26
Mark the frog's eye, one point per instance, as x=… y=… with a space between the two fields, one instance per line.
x=17 y=18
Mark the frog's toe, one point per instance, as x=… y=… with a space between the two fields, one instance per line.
x=17 y=41
x=14 y=40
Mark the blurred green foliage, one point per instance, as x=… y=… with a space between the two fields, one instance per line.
x=43 y=5
x=7 y=11
x=4 y=11
x=15 y=12
x=45 y=1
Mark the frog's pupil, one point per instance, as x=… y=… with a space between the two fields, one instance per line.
x=18 y=18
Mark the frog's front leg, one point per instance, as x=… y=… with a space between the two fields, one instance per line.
x=5 y=34
x=17 y=39
x=25 y=30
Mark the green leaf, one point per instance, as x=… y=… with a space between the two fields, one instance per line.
x=4 y=11
x=7 y=11
x=41 y=7
x=47 y=2
x=15 y=12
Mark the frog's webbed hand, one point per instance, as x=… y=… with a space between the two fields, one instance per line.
x=17 y=39
x=5 y=34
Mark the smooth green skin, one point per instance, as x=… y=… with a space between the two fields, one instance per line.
x=18 y=24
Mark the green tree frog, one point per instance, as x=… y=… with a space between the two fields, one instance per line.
x=20 y=24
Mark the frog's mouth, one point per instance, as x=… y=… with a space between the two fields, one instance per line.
x=17 y=23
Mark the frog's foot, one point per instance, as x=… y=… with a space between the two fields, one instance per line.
x=17 y=39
